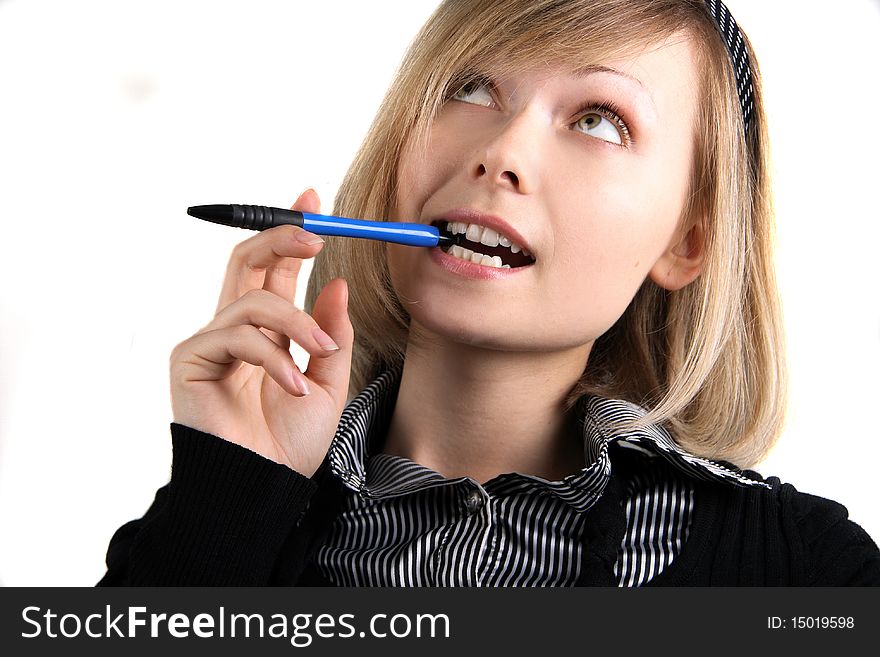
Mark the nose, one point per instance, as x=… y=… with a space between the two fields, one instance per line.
x=507 y=156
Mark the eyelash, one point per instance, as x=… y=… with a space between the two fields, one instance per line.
x=458 y=86
x=609 y=109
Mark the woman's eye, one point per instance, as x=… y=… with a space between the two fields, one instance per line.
x=599 y=125
x=474 y=92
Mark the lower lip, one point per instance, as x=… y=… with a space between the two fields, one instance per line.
x=470 y=269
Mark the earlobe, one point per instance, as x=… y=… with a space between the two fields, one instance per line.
x=682 y=262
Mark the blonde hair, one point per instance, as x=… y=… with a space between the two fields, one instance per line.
x=707 y=361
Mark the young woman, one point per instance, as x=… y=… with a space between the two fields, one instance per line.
x=570 y=398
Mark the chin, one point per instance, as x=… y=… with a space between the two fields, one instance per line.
x=471 y=331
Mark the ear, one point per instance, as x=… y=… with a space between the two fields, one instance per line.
x=683 y=260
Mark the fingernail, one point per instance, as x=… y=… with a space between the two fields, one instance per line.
x=306 y=237
x=300 y=382
x=324 y=340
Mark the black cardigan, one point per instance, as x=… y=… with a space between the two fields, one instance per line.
x=229 y=517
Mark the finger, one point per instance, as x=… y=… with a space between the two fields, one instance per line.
x=281 y=277
x=215 y=355
x=331 y=313
x=265 y=310
x=251 y=258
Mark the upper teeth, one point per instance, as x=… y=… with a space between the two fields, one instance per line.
x=483 y=235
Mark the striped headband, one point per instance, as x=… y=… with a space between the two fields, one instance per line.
x=736 y=48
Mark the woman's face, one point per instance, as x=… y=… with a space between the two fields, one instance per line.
x=591 y=172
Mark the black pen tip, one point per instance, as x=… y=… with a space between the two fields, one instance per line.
x=219 y=214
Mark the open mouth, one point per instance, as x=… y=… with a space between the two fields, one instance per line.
x=483 y=246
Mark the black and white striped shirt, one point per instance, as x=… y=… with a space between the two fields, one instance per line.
x=402 y=524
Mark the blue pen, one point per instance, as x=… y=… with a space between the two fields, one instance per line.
x=259 y=217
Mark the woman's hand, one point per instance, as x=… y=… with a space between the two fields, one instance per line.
x=235 y=378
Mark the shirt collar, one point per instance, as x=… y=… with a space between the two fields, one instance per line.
x=364 y=423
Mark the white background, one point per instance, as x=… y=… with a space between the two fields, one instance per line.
x=116 y=116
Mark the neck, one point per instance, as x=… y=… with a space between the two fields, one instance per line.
x=475 y=412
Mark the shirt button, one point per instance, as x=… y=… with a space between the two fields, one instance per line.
x=473 y=502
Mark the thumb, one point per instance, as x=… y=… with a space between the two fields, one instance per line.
x=330 y=311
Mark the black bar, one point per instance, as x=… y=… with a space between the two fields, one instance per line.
x=468 y=621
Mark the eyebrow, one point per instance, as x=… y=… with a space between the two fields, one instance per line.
x=585 y=71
